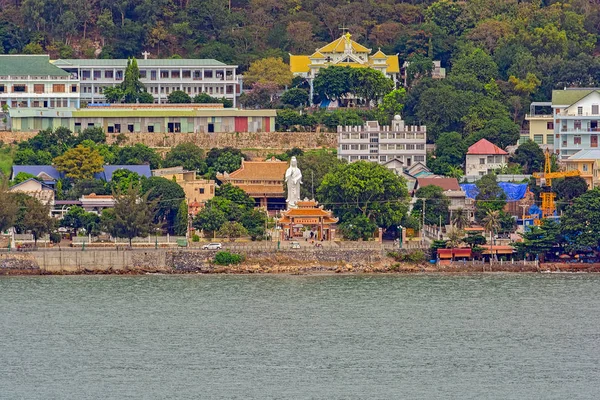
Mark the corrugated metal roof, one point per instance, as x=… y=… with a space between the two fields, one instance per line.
x=145 y=112
x=36 y=170
x=29 y=64
x=109 y=170
x=590 y=154
x=122 y=62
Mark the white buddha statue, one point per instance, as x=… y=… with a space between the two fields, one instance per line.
x=293 y=178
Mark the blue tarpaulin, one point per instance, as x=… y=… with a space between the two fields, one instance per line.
x=513 y=191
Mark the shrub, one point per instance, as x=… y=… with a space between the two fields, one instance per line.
x=195 y=238
x=415 y=256
x=55 y=237
x=227 y=258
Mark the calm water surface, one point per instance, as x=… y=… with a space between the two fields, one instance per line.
x=291 y=337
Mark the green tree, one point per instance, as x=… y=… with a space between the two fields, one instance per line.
x=295 y=97
x=138 y=154
x=436 y=205
x=491 y=197
x=79 y=163
x=77 y=218
x=254 y=221
x=168 y=196
x=460 y=219
x=419 y=66
x=236 y=195
x=226 y=159
x=10 y=207
x=568 y=189
x=145 y=98
x=131 y=85
x=474 y=239
x=22 y=177
x=392 y=105
x=269 y=70
x=181 y=221
x=123 y=178
x=369 y=84
x=491 y=222
x=315 y=164
x=37 y=219
x=132 y=216
x=476 y=62
x=364 y=188
x=95 y=134
x=187 y=155
x=333 y=82
x=209 y=220
x=358 y=227
x=232 y=230
x=530 y=156
x=113 y=94
x=179 y=97
x=540 y=240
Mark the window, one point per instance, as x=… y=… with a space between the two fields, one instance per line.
x=539 y=139
x=73 y=88
x=117 y=128
x=584 y=167
x=420 y=147
x=38 y=88
x=143 y=74
x=579 y=110
x=481 y=161
x=201 y=190
x=577 y=139
x=130 y=128
x=150 y=128
x=197 y=75
x=152 y=75
x=208 y=73
x=550 y=139
x=382 y=158
x=86 y=74
x=577 y=124
x=410 y=147
x=173 y=127
x=2 y=89
x=595 y=109
x=77 y=126
x=363 y=147
x=490 y=159
x=19 y=89
x=97 y=75
x=345 y=147
x=364 y=135
x=109 y=74
x=186 y=74
x=419 y=158
x=550 y=125
x=229 y=89
x=175 y=74
x=119 y=76
x=164 y=74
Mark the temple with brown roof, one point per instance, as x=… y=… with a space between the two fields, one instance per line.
x=261 y=180
x=306 y=218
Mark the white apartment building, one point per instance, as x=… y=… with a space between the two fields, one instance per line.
x=576 y=114
x=160 y=77
x=484 y=157
x=32 y=81
x=381 y=144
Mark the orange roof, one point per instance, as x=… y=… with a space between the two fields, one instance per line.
x=497 y=249
x=258 y=190
x=306 y=203
x=311 y=212
x=269 y=170
x=326 y=220
x=98 y=196
x=485 y=147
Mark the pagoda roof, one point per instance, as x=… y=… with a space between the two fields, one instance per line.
x=339 y=46
x=379 y=55
x=317 y=54
x=271 y=170
x=308 y=208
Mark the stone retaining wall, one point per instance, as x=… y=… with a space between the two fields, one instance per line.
x=244 y=140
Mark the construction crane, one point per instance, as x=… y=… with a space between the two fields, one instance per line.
x=547 y=195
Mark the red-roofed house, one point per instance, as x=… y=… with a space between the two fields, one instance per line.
x=458 y=198
x=484 y=157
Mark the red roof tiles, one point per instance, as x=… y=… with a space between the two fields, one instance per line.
x=485 y=147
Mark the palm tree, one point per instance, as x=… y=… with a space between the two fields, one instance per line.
x=491 y=223
x=460 y=219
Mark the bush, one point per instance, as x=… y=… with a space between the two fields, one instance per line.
x=227 y=258
x=415 y=256
x=195 y=238
x=55 y=237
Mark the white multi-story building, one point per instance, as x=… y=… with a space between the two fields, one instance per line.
x=381 y=144
x=32 y=81
x=159 y=76
x=576 y=113
x=484 y=157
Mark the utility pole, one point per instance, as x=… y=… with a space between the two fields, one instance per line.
x=312 y=173
x=524 y=206
x=423 y=224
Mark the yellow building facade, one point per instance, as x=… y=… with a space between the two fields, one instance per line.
x=196 y=190
x=343 y=52
x=587 y=163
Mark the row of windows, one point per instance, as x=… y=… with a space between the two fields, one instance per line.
x=163 y=74
x=491 y=160
x=595 y=110
x=38 y=88
x=166 y=89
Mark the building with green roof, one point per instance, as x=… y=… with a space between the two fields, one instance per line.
x=146 y=118
x=160 y=77
x=576 y=118
x=33 y=81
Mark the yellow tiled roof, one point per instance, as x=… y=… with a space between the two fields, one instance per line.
x=393 y=65
x=317 y=54
x=379 y=55
x=338 y=46
x=299 y=64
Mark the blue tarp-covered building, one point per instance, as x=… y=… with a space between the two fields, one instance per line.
x=513 y=191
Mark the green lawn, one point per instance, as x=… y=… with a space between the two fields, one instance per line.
x=6 y=159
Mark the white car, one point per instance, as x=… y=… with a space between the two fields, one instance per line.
x=212 y=246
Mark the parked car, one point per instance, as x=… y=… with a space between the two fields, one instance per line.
x=295 y=245
x=212 y=246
